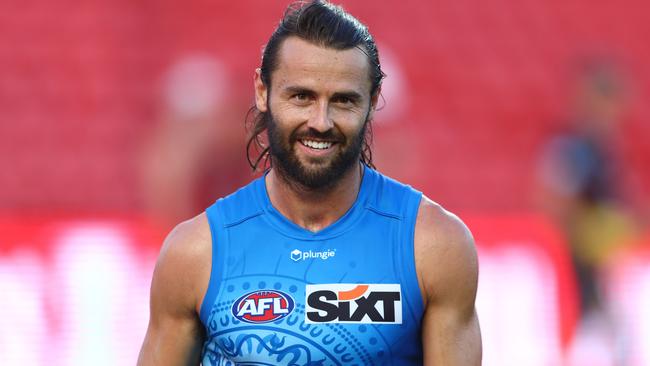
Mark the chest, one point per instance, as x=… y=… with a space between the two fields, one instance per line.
x=342 y=300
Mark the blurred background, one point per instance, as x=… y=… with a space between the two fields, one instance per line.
x=530 y=119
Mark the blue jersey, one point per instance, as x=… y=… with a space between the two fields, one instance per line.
x=282 y=295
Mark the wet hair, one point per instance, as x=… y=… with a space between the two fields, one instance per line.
x=326 y=25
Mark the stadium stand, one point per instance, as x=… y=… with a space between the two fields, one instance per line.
x=486 y=85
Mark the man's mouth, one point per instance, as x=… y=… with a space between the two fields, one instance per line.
x=318 y=145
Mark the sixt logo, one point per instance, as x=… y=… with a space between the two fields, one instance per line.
x=352 y=303
x=262 y=306
x=298 y=255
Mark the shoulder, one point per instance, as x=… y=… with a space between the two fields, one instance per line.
x=391 y=196
x=188 y=237
x=434 y=224
x=446 y=259
x=245 y=202
x=183 y=266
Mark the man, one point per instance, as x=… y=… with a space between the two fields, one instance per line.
x=322 y=261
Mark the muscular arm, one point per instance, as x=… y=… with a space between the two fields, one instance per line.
x=175 y=333
x=448 y=272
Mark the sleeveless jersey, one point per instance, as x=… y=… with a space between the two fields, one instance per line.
x=282 y=295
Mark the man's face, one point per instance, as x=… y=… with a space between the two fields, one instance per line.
x=316 y=108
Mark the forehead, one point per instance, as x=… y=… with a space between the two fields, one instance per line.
x=301 y=63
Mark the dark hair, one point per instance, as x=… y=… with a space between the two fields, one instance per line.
x=323 y=24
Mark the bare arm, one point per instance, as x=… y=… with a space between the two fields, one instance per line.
x=447 y=267
x=175 y=333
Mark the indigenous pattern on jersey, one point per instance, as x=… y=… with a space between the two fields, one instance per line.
x=282 y=295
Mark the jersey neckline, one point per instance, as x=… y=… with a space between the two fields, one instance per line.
x=338 y=227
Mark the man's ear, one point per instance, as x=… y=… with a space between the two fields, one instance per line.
x=373 y=103
x=261 y=92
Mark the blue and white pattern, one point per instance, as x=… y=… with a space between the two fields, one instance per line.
x=288 y=341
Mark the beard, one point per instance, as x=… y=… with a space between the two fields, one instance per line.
x=319 y=174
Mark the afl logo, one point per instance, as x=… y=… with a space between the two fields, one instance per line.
x=262 y=306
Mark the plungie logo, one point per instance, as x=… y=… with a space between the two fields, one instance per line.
x=262 y=306
x=354 y=303
x=298 y=255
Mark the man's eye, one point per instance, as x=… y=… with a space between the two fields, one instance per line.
x=301 y=97
x=343 y=100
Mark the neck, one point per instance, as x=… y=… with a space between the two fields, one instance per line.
x=314 y=209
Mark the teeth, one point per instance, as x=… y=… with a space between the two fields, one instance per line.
x=317 y=144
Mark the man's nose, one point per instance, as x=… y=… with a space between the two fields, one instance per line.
x=320 y=119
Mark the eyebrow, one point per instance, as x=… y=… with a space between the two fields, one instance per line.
x=352 y=95
x=297 y=90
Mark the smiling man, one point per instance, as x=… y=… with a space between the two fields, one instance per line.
x=322 y=260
